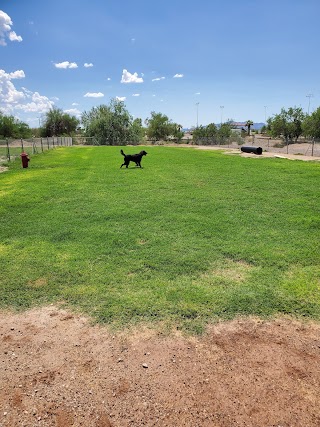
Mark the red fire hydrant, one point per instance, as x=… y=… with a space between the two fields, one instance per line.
x=25 y=159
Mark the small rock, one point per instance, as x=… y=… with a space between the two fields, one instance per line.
x=145 y=365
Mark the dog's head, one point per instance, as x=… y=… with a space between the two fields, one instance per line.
x=143 y=153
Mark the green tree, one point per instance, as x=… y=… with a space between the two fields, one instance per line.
x=248 y=125
x=58 y=123
x=10 y=127
x=112 y=124
x=137 y=131
x=23 y=130
x=287 y=124
x=205 y=134
x=7 y=126
x=160 y=127
x=224 y=132
x=311 y=125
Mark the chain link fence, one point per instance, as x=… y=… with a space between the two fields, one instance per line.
x=12 y=148
x=302 y=147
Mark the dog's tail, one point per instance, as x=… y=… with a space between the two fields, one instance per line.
x=121 y=151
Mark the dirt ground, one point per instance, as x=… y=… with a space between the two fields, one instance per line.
x=301 y=151
x=57 y=369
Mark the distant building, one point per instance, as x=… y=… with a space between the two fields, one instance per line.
x=238 y=125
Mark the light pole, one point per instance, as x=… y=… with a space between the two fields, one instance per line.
x=310 y=95
x=221 y=108
x=197 y=104
x=265 y=115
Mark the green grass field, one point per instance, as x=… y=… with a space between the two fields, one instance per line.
x=192 y=237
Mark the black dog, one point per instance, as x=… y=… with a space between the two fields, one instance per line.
x=136 y=158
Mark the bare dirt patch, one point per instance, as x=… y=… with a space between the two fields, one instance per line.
x=59 y=370
x=3 y=168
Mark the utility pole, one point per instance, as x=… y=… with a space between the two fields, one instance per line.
x=197 y=104
x=221 y=108
x=265 y=115
x=310 y=95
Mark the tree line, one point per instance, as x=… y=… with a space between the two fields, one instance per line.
x=292 y=123
x=10 y=127
x=112 y=124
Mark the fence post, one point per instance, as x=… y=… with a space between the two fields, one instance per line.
x=48 y=142
x=53 y=141
x=312 y=147
x=8 y=150
x=41 y=145
x=22 y=149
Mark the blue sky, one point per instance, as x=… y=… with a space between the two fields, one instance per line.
x=209 y=59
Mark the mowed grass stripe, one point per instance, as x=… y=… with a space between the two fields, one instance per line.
x=191 y=237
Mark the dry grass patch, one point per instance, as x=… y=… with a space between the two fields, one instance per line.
x=39 y=283
x=235 y=271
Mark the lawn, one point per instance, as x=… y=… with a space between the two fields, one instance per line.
x=192 y=237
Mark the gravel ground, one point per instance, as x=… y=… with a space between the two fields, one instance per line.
x=57 y=369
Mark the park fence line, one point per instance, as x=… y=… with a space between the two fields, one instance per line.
x=12 y=148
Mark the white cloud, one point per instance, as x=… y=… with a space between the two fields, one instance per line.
x=14 y=101
x=14 y=37
x=5 y=30
x=158 y=79
x=9 y=95
x=178 y=76
x=121 y=98
x=26 y=91
x=197 y=93
x=136 y=94
x=88 y=65
x=37 y=104
x=66 y=64
x=93 y=95
x=74 y=104
x=109 y=78
x=19 y=74
x=130 y=78
x=73 y=112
